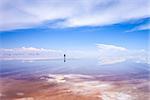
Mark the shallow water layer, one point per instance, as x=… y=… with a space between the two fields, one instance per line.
x=73 y=80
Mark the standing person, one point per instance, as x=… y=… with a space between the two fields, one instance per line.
x=64 y=57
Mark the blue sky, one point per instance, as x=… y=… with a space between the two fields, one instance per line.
x=78 y=37
x=82 y=25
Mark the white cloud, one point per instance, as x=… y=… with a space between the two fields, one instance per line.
x=31 y=53
x=144 y=27
x=107 y=54
x=110 y=54
x=18 y=14
x=141 y=27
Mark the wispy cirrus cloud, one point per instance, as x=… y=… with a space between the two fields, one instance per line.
x=18 y=14
x=141 y=27
x=144 y=27
x=110 y=54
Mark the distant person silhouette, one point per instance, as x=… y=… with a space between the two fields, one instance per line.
x=64 y=57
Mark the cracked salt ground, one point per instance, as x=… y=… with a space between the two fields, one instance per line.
x=26 y=98
x=74 y=87
x=93 y=87
x=77 y=85
x=20 y=94
x=116 y=96
x=73 y=80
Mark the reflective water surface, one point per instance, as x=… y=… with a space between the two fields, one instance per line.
x=82 y=79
